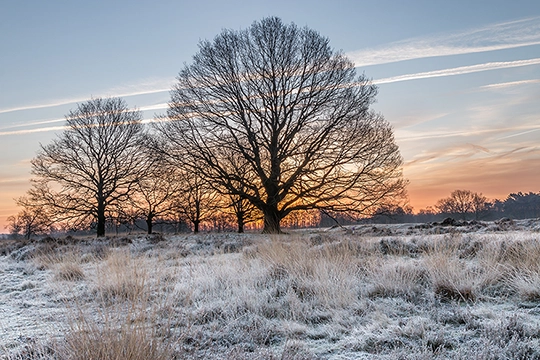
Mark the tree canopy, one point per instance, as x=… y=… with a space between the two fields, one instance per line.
x=272 y=114
x=92 y=165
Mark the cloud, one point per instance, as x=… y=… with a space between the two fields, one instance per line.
x=413 y=136
x=507 y=35
x=32 y=123
x=154 y=107
x=55 y=128
x=433 y=174
x=31 y=131
x=510 y=84
x=142 y=88
x=518 y=134
x=458 y=70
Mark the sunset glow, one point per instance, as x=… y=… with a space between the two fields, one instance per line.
x=460 y=83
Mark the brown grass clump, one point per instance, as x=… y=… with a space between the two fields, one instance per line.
x=325 y=274
x=126 y=325
x=526 y=284
x=121 y=277
x=130 y=340
x=451 y=279
x=398 y=278
x=69 y=271
x=65 y=265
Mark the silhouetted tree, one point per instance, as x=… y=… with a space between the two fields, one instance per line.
x=275 y=116
x=426 y=215
x=522 y=205
x=31 y=220
x=94 y=163
x=154 y=193
x=393 y=213
x=463 y=202
x=197 y=201
x=243 y=210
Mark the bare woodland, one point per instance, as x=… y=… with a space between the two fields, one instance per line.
x=268 y=128
x=267 y=120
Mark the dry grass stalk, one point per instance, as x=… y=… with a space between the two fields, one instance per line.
x=404 y=278
x=327 y=274
x=451 y=280
x=130 y=338
x=121 y=277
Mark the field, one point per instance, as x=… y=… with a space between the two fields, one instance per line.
x=366 y=292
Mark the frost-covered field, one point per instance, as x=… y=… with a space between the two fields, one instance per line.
x=366 y=292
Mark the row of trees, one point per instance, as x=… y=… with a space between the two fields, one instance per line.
x=265 y=124
x=467 y=205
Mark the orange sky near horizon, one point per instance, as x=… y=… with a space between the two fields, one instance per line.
x=460 y=88
x=426 y=185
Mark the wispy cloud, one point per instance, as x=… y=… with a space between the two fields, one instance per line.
x=31 y=131
x=414 y=136
x=518 y=134
x=507 y=35
x=510 y=84
x=53 y=121
x=32 y=123
x=459 y=70
x=142 y=88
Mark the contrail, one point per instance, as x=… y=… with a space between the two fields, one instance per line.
x=506 y=35
x=133 y=90
x=54 y=128
x=510 y=84
x=459 y=70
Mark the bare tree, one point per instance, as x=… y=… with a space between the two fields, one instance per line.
x=93 y=164
x=243 y=210
x=463 y=202
x=276 y=116
x=154 y=195
x=31 y=220
x=197 y=201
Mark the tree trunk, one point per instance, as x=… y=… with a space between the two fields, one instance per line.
x=240 y=218
x=101 y=219
x=272 y=221
x=196 y=226
x=149 y=223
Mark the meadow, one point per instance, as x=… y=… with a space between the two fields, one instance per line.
x=410 y=291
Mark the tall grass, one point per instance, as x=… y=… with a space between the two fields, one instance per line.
x=121 y=277
x=435 y=296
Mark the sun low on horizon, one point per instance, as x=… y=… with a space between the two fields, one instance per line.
x=459 y=82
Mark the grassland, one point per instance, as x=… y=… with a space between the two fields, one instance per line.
x=367 y=292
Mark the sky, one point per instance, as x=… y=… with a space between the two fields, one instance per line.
x=458 y=80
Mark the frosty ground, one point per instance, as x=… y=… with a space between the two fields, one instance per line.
x=452 y=290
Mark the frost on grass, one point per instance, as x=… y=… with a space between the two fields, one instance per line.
x=385 y=294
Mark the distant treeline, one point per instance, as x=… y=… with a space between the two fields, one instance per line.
x=466 y=205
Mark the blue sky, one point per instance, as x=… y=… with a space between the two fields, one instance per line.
x=458 y=80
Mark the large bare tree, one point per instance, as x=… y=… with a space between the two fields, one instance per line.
x=93 y=164
x=276 y=116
